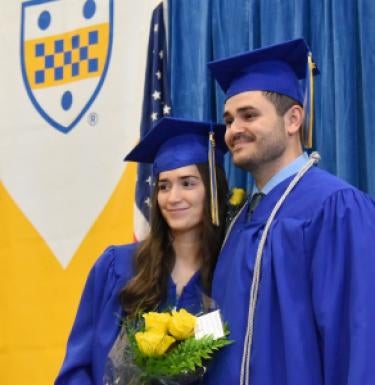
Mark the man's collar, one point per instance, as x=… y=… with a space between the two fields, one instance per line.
x=289 y=170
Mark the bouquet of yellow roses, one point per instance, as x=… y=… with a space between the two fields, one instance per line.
x=170 y=348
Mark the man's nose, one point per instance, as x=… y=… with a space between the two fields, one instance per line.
x=235 y=125
x=233 y=129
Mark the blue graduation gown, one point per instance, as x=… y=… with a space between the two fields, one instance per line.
x=97 y=324
x=315 y=316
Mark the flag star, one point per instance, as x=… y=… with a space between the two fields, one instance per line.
x=148 y=201
x=166 y=109
x=154 y=116
x=156 y=95
x=161 y=54
x=158 y=75
x=156 y=27
x=149 y=181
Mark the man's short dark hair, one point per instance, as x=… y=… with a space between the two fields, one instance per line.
x=281 y=102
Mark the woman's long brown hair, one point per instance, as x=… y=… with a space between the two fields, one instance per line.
x=154 y=258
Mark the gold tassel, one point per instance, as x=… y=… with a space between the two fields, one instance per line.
x=213 y=181
x=309 y=98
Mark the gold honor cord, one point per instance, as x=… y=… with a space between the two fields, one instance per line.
x=213 y=182
x=307 y=135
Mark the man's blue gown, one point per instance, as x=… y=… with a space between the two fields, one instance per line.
x=315 y=317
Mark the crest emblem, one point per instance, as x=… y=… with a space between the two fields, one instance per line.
x=65 y=52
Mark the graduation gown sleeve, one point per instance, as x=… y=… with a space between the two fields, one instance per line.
x=97 y=324
x=341 y=240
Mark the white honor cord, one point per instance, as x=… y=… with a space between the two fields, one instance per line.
x=246 y=356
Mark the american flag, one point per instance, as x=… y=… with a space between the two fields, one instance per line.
x=156 y=104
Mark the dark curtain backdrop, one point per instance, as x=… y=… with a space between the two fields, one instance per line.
x=341 y=34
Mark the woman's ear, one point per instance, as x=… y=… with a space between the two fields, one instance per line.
x=293 y=119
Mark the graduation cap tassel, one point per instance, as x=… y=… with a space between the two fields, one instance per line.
x=213 y=182
x=309 y=102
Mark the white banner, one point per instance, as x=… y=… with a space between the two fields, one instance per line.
x=71 y=90
x=72 y=75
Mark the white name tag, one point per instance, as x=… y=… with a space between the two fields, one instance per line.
x=209 y=324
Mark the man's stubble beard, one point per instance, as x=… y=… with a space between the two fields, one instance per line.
x=267 y=151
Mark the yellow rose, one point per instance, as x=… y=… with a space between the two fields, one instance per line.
x=238 y=195
x=153 y=343
x=156 y=321
x=182 y=324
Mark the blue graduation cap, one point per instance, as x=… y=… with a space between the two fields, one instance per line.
x=173 y=143
x=277 y=68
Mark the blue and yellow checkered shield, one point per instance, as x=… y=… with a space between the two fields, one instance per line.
x=65 y=52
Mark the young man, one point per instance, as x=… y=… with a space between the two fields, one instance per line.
x=295 y=279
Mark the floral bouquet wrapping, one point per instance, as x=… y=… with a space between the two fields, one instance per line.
x=170 y=348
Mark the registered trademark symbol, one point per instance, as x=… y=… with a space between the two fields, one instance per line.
x=92 y=118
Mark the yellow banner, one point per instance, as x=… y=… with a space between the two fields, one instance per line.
x=38 y=297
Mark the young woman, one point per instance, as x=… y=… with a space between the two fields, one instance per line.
x=173 y=266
